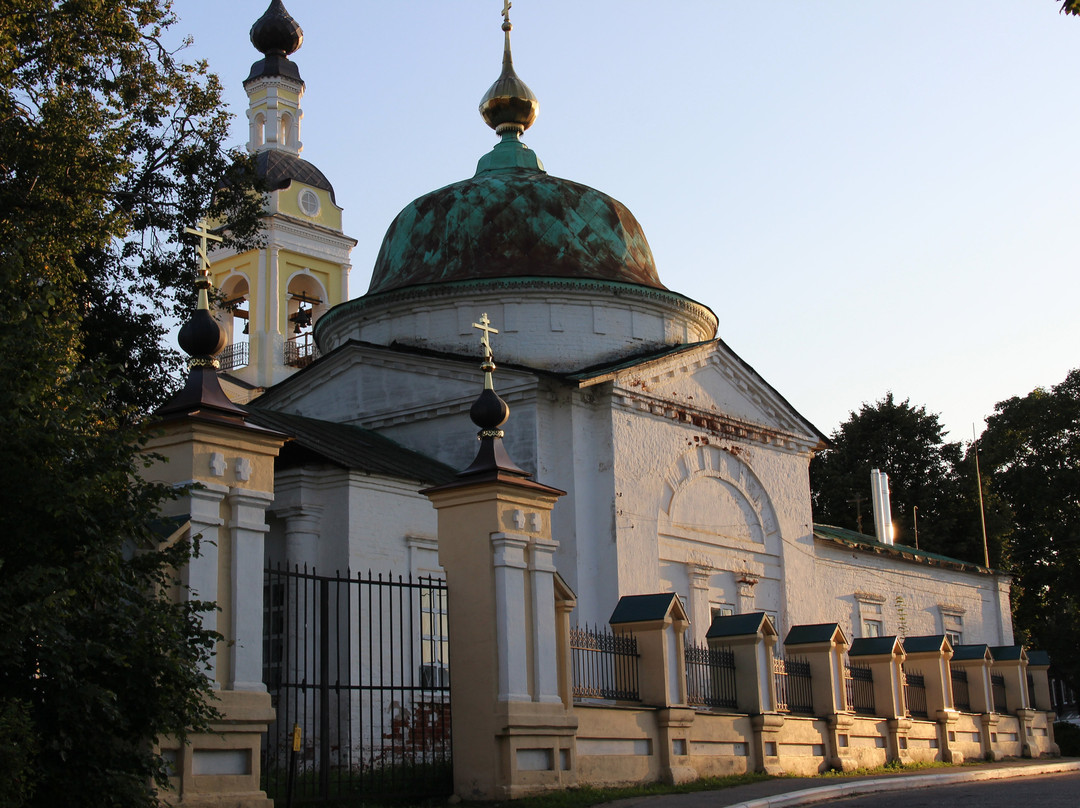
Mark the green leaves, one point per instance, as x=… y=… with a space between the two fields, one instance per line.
x=109 y=146
x=908 y=444
x=1030 y=453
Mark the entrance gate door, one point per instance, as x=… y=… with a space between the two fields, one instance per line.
x=357 y=666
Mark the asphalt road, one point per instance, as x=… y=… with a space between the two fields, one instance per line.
x=1044 y=791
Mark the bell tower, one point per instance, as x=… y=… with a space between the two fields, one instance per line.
x=273 y=295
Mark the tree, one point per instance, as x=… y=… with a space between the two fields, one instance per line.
x=1030 y=455
x=1070 y=7
x=109 y=145
x=908 y=444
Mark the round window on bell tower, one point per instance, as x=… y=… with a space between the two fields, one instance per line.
x=309 y=202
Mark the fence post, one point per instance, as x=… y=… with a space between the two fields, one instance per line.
x=885 y=657
x=752 y=638
x=931 y=655
x=201 y=437
x=823 y=645
x=1038 y=669
x=1011 y=661
x=975 y=661
x=512 y=733
x=659 y=623
x=324 y=688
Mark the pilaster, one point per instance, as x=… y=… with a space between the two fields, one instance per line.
x=496 y=548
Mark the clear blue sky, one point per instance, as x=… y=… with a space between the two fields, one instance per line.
x=870 y=196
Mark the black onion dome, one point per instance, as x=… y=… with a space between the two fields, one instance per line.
x=202 y=335
x=276 y=31
x=516 y=222
x=489 y=411
x=280 y=168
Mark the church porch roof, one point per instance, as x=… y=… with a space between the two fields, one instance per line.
x=351 y=447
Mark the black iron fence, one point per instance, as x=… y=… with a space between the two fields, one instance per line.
x=859 y=681
x=605 y=664
x=301 y=351
x=961 y=695
x=233 y=356
x=915 y=693
x=997 y=687
x=710 y=677
x=1062 y=697
x=794 y=693
x=359 y=666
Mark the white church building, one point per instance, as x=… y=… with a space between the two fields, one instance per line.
x=684 y=470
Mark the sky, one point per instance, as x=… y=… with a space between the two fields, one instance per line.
x=870 y=196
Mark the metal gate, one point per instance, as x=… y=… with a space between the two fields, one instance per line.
x=357 y=668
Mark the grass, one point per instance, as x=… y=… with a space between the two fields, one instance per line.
x=586 y=796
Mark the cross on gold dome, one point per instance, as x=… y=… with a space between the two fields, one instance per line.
x=485 y=342
x=203 y=283
x=204 y=235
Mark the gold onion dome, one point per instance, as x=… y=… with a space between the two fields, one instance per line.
x=509 y=105
x=276 y=31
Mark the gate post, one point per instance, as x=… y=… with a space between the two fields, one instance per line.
x=226 y=467
x=512 y=733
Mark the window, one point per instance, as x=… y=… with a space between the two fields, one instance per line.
x=871 y=614
x=434 y=638
x=721 y=610
x=952 y=624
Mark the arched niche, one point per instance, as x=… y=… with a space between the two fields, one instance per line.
x=285 y=134
x=235 y=302
x=712 y=496
x=304 y=294
x=258 y=130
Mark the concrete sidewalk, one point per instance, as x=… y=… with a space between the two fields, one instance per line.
x=788 y=792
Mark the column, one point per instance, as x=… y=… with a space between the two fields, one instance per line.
x=511 y=626
x=202 y=570
x=302 y=524
x=248 y=528
x=545 y=648
x=700 y=611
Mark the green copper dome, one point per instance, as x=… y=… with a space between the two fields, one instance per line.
x=513 y=219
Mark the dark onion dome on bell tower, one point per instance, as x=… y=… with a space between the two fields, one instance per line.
x=276 y=35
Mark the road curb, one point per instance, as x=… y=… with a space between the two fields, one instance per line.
x=810 y=796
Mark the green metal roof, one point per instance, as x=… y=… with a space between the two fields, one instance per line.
x=1007 y=653
x=970 y=651
x=928 y=642
x=636 y=608
x=872 y=646
x=815 y=632
x=737 y=625
x=164 y=526
x=513 y=222
x=1038 y=657
x=351 y=447
x=860 y=541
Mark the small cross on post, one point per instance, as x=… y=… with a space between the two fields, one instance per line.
x=506 y=11
x=204 y=235
x=485 y=326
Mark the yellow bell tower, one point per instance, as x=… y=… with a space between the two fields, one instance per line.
x=272 y=296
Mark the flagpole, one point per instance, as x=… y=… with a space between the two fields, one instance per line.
x=982 y=508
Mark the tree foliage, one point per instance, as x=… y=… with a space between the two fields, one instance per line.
x=1070 y=7
x=109 y=146
x=1030 y=453
x=908 y=444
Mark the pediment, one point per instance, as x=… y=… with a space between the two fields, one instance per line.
x=373 y=386
x=711 y=387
